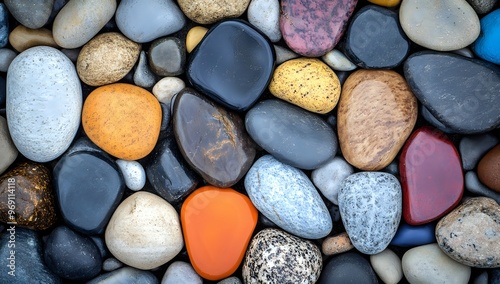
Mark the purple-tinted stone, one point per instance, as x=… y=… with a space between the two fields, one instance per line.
x=313 y=27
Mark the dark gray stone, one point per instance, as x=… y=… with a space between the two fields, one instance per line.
x=125 y=275
x=482 y=6
x=433 y=121
x=474 y=185
x=350 y=267
x=4 y=25
x=167 y=56
x=143 y=77
x=472 y=148
x=31 y=14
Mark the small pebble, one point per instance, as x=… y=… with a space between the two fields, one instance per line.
x=7 y=147
x=4 y=25
x=230 y=280
x=350 y=267
x=111 y=264
x=283 y=54
x=486 y=45
x=472 y=148
x=143 y=77
x=474 y=185
x=180 y=272
x=31 y=14
x=6 y=57
x=165 y=89
x=387 y=265
x=265 y=15
x=338 y=61
x=194 y=36
x=133 y=173
x=167 y=56
x=336 y=244
x=126 y=275
x=328 y=178
x=211 y=11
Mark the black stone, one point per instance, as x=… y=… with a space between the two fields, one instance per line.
x=233 y=64
x=462 y=93
x=89 y=187
x=166 y=115
x=4 y=25
x=167 y=56
x=72 y=256
x=375 y=39
x=3 y=91
x=349 y=267
x=168 y=173
x=126 y=275
x=433 y=121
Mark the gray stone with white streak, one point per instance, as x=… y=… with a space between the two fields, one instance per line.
x=329 y=177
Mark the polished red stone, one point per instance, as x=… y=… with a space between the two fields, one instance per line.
x=431 y=176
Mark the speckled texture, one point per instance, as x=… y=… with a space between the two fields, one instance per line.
x=307 y=83
x=133 y=174
x=31 y=14
x=22 y=38
x=482 y=6
x=7 y=147
x=370 y=206
x=336 y=244
x=287 y=197
x=488 y=169
x=470 y=234
x=43 y=111
x=211 y=11
x=277 y=257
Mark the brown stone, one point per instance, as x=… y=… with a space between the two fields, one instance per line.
x=376 y=114
x=211 y=11
x=22 y=38
x=336 y=244
x=470 y=234
x=27 y=191
x=488 y=169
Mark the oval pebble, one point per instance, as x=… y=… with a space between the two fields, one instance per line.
x=387 y=265
x=143 y=76
x=265 y=15
x=336 y=244
x=181 y=272
x=329 y=177
x=165 y=89
x=472 y=148
x=488 y=169
x=167 y=56
x=7 y=147
x=133 y=174
x=338 y=61
x=6 y=58
x=211 y=11
x=22 y=38
x=32 y=15
x=350 y=267
x=411 y=236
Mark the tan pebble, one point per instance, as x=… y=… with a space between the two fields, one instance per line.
x=337 y=244
x=211 y=11
x=165 y=89
x=22 y=38
x=194 y=36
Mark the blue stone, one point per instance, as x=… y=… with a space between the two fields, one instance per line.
x=3 y=93
x=487 y=45
x=411 y=236
x=4 y=25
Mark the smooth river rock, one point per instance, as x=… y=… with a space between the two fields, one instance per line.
x=31 y=14
x=133 y=174
x=488 y=169
x=329 y=177
x=126 y=275
x=167 y=56
x=486 y=45
x=7 y=147
x=350 y=267
x=472 y=148
x=265 y=15
x=387 y=265
x=211 y=11
x=411 y=236
x=22 y=38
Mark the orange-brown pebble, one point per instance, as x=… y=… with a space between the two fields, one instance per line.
x=386 y=3
x=122 y=119
x=488 y=169
x=336 y=244
x=22 y=38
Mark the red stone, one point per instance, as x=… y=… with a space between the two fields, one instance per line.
x=431 y=176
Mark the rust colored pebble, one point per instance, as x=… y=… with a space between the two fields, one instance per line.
x=336 y=244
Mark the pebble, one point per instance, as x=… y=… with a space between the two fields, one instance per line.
x=165 y=89
x=144 y=23
x=180 y=272
x=133 y=174
x=79 y=21
x=288 y=198
x=43 y=111
x=4 y=25
x=350 y=267
x=412 y=236
x=275 y=256
x=443 y=26
x=312 y=29
x=430 y=189
x=328 y=178
x=428 y=264
x=30 y=14
x=429 y=117
x=22 y=38
x=375 y=40
x=386 y=3
x=470 y=233
x=482 y=6
x=488 y=169
x=143 y=76
x=126 y=275
x=144 y=231
x=468 y=87
x=338 y=61
x=367 y=143
x=122 y=119
x=232 y=70
x=211 y=11
x=485 y=45
x=481 y=278
x=3 y=92
x=194 y=36
x=283 y=54
x=168 y=172
x=387 y=265
x=71 y=256
x=111 y=264
x=265 y=15
x=72 y=54
x=103 y=184
x=214 y=143
x=466 y=52
x=230 y=280
x=7 y=147
x=308 y=83
x=473 y=185
x=370 y=206
x=6 y=58
x=35 y=203
x=336 y=244
x=167 y=56
x=472 y=148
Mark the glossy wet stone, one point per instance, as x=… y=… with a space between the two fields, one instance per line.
x=350 y=267
x=474 y=185
x=375 y=39
x=87 y=182
x=291 y=134
x=410 y=236
x=217 y=224
x=167 y=56
x=22 y=38
x=232 y=70
x=312 y=28
x=430 y=189
x=488 y=169
x=213 y=142
x=489 y=39
x=468 y=90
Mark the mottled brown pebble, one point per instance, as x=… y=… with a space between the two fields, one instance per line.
x=211 y=11
x=22 y=38
x=488 y=169
x=336 y=244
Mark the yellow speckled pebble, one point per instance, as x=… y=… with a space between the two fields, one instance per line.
x=386 y=3
x=308 y=83
x=194 y=37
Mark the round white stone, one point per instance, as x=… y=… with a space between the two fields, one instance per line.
x=265 y=15
x=181 y=272
x=328 y=178
x=165 y=89
x=387 y=265
x=133 y=173
x=338 y=61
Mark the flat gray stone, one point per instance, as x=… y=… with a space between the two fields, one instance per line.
x=473 y=148
x=328 y=178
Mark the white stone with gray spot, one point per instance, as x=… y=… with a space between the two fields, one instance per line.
x=338 y=61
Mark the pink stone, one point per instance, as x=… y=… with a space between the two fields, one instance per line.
x=431 y=176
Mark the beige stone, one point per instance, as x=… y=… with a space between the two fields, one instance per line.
x=211 y=11
x=22 y=38
x=387 y=265
x=336 y=244
x=165 y=89
x=194 y=36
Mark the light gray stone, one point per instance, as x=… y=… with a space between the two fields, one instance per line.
x=143 y=77
x=472 y=148
x=474 y=185
x=387 y=265
x=464 y=52
x=125 y=275
x=328 y=178
x=133 y=174
x=180 y=272
x=283 y=54
x=230 y=280
x=6 y=57
x=7 y=147
x=31 y=14
x=338 y=61
x=265 y=15
x=111 y=264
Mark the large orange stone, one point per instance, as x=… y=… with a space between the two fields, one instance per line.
x=217 y=224
x=122 y=119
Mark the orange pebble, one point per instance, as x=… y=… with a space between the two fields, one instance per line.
x=337 y=244
x=217 y=224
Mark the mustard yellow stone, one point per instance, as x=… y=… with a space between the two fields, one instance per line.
x=122 y=119
x=194 y=36
x=308 y=83
x=22 y=38
x=386 y=3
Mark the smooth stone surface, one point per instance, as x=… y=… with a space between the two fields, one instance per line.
x=165 y=89
x=217 y=224
x=429 y=117
x=386 y=3
x=429 y=189
x=7 y=147
x=31 y=14
x=470 y=233
x=350 y=267
x=122 y=119
x=473 y=185
x=328 y=178
x=230 y=280
x=144 y=231
x=288 y=198
x=439 y=25
x=312 y=28
x=71 y=256
x=387 y=265
x=488 y=169
x=336 y=244
x=103 y=189
x=4 y=25
x=308 y=83
x=167 y=56
x=370 y=206
x=180 y=272
x=211 y=11
x=283 y=54
x=291 y=134
x=22 y=38
x=125 y=275
x=144 y=23
x=338 y=61
x=232 y=70
x=214 y=143
x=275 y=256
x=43 y=111
x=111 y=264
x=6 y=58
x=482 y=6
x=194 y=36
x=411 y=236
x=375 y=39
x=79 y=21
x=3 y=91
x=466 y=52
x=468 y=88
x=265 y=15
x=165 y=120
x=133 y=174
x=368 y=143
x=473 y=148
x=428 y=264
x=143 y=76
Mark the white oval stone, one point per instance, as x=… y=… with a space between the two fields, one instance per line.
x=338 y=61
x=328 y=178
x=144 y=231
x=180 y=272
x=44 y=103
x=265 y=15
x=133 y=174
x=387 y=265
x=79 y=21
x=165 y=89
